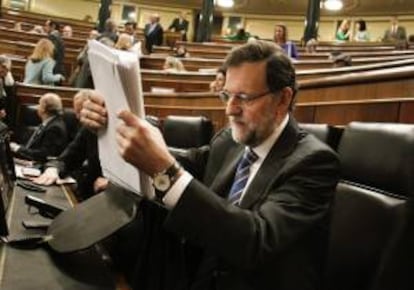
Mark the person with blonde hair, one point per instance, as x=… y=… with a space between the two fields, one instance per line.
x=125 y=42
x=343 y=33
x=39 y=67
x=173 y=64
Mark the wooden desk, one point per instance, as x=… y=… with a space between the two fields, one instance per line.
x=41 y=268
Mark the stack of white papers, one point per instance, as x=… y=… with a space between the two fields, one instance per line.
x=116 y=75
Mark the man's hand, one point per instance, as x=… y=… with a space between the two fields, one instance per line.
x=2 y=114
x=100 y=184
x=14 y=147
x=48 y=177
x=142 y=144
x=93 y=113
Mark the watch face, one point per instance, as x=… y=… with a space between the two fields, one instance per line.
x=162 y=182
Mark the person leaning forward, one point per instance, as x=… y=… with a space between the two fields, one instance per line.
x=270 y=232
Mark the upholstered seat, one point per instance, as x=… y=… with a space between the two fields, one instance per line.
x=377 y=170
x=187 y=131
x=324 y=132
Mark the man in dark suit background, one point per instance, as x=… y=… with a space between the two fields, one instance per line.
x=51 y=28
x=80 y=158
x=50 y=138
x=395 y=33
x=180 y=24
x=260 y=218
x=153 y=32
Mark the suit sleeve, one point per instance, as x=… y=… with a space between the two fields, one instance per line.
x=74 y=154
x=53 y=142
x=297 y=202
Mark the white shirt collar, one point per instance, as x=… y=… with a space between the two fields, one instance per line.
x=264 y=148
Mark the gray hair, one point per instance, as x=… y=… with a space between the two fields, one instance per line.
x=53 y=104
x=5 y=61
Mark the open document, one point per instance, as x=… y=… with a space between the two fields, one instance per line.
x=116 y=75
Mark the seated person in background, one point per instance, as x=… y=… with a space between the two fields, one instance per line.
x=280 y=37
x=311 y=45
x=6 y=87
x=260 y=218
x=340 y=59
x=343 y=33
x=396 y=33
x=173 y=64
x=240 y=35
x=67 y=31
x=18 y=26
x=39 y=67
x=50 y=138
x=83 y=149
x=361 y=31
x=125 y=42
x=37 y=29
x=218 y=84
x=181 y=51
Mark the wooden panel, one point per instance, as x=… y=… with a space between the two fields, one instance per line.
x=344 y=114
x=305 y=114
x=406 y=112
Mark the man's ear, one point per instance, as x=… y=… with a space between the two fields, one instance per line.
x=286 y=95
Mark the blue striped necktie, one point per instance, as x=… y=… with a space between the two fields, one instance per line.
x=242 y=175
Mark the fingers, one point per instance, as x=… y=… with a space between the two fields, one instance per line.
x=93 y=113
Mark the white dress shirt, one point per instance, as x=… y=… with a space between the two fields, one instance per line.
x=175 y=192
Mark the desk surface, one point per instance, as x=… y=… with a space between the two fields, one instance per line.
x=42 y=268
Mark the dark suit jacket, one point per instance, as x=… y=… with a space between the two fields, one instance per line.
x=276 y=239
x=153 y=37
x=59 y=52
x=50 y=141
x=180 y=27
x=83 y=150
x=400 y=35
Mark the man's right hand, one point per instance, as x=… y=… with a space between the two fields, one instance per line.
x=48 y=177
x=93 y=113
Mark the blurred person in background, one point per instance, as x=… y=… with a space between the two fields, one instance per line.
x=280 y=37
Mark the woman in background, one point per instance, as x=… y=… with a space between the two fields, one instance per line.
x=361 y=31
x=343 y=33
x=280 y=37
x=39 y=67
x=218 y=84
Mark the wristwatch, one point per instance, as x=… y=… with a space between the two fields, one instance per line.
x=165 y=179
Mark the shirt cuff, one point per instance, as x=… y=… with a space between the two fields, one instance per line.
x=175 y=192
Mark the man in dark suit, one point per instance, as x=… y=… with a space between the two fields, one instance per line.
x=83 y=148
x=153 y=32
x=260 y=218
x=53 y=34
x=50 y=138
x=395 y=33
x=180 y=24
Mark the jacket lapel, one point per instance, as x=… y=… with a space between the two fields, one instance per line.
x=221 y=184
x=270 y=168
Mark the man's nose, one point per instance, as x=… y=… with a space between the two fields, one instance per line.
x=233 y=107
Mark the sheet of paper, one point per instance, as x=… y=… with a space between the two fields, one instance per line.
x=116 y=76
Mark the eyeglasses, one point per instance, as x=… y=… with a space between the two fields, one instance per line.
x=225 y=96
